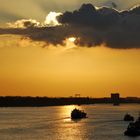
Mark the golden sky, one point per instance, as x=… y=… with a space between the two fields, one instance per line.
x=30 y=67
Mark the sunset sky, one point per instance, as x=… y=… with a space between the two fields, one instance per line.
x=93 y=51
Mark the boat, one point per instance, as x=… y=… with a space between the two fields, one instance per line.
x=133 y=129
x=78 y=114
x=128 y=117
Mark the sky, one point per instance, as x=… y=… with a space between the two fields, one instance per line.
x=11 y=10
x=93 y=51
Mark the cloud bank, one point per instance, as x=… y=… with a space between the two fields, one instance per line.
x=24 y=23
x=90 y=25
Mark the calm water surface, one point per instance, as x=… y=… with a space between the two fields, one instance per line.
x=104 y=122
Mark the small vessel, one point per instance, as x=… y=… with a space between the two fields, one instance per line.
x=128 y=117
x=78 y=114
x=133 y=129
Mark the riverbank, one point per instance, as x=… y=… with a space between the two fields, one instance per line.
x=17 y=101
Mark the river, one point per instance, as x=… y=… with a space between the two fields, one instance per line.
x=104 y=122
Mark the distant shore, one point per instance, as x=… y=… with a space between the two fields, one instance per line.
x=17 y=101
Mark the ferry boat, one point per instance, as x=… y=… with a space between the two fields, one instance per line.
x=78 y=114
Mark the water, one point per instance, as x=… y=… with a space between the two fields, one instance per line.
x=104 y=122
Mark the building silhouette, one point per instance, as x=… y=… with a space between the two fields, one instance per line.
x=115 y=97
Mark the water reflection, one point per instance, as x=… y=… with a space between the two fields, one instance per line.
x=70 y=129
x=54 y=123
x=66 y=111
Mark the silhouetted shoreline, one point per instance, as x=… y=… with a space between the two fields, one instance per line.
x=17 y=101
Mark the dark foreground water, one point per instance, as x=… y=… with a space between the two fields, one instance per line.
x=104 y=122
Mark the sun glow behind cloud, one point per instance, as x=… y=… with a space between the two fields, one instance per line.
x=70 y=43
x=72 y=39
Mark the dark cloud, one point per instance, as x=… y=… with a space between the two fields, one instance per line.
x=50 y=35
x=106 y=25
x=91 y=26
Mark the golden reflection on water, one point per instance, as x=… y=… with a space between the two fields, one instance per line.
x=72 y=130
x=66 y=111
